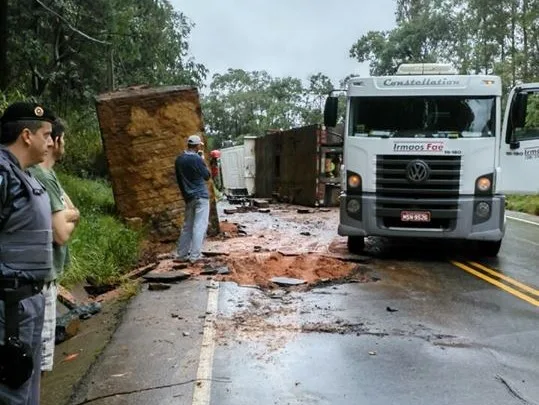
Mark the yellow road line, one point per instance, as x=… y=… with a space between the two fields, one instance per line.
x=496 y=283
x=516 y=283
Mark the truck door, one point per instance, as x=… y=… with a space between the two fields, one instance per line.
x=519 y=144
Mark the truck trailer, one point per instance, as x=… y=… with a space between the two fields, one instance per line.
x=300 y=165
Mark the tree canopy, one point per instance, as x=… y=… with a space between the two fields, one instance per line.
x=65 y=51
x=476 y=36
x=243 y=103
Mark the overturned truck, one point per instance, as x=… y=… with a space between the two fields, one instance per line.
x=301 y=166
x=143 y=130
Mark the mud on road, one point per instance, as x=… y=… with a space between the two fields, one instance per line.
x=288 y=241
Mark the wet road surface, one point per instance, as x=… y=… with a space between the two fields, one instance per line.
x=419 y=330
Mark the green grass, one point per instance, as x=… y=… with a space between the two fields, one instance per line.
x=523 y=203
x=84 y=149
x=102 y=248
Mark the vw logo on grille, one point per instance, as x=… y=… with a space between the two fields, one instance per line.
x=417 y=171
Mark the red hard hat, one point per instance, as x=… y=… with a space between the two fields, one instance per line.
x=215 y=154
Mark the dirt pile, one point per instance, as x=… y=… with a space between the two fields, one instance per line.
x=259 y=269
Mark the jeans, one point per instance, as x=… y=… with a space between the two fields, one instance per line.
x=197 y=213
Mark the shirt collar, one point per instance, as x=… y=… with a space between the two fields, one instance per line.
x=10 y=156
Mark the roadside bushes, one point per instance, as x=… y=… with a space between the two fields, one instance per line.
x=102 y=248
x=523 y=203
x=84 y=150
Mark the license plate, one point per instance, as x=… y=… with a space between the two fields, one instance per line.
x=415 y=216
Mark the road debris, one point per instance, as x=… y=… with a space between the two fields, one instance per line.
x=137 y=273
x=349 y=257
x=304 y=211
x=287 y=282
x=261 y=203
x=389 y=309
x=212 y=253
x=70 y=357
x=158 y=286
x=67 y=326
x=167 y=277
x=66 y=298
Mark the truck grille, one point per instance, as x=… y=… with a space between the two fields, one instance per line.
x=398 y=190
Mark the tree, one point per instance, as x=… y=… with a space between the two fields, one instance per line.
x=250 y=103
x=424 y=31
x=476 y=36
x=319 y=88
x=66 y=51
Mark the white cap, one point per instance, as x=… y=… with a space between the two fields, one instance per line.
x=194 y=140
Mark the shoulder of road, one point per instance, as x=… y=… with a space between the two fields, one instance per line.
x=522 y=217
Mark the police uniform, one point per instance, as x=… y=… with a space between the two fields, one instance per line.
x=25 y=261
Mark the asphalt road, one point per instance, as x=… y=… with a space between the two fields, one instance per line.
x=431 y=325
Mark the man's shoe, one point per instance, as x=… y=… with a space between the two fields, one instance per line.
x=183 y=259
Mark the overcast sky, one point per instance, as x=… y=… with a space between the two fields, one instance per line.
x=284 y=37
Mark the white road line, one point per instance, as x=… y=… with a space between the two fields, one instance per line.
x=202 y=389
x=525 y=240
x=523 y=220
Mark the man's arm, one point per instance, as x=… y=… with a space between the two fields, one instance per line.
x=178 y=172
x=73 y=214
x=204 y=171
x=64 y=219
x=62 y=226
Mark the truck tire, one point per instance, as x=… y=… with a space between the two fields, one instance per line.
x=356 y=244
x=488 y=248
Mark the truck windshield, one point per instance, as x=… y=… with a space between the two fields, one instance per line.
x=423 y=117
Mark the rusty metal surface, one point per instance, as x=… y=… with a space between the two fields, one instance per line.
x=286 y=164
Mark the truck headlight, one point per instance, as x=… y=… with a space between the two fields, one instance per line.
x=353 y=206
x=483 y=184
x=354 y=181
x=482 y=209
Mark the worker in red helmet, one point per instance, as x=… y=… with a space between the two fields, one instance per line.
x=215 y=168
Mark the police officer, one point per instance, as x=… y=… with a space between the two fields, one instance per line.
x=25 y=250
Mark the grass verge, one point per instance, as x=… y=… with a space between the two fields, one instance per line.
x=102 y=248
x=523 y=203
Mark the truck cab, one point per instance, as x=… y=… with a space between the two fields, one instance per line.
x=426 y=155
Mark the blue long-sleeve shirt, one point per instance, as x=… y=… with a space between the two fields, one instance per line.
x=191 y=174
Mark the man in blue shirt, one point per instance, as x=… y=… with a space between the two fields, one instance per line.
x=191 y=175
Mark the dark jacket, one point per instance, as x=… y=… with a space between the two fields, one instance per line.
x=191 y=175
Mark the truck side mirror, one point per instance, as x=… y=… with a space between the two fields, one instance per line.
x=514 y=145
x=330 y=111
x=518 y=110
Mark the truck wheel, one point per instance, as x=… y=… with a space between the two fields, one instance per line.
x=356 y=244
x=489 y=248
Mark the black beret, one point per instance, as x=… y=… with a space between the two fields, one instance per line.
x=21 y=111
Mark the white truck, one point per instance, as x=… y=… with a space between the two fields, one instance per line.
x=426 y=155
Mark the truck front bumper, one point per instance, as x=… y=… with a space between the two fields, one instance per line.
x=466 y=224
